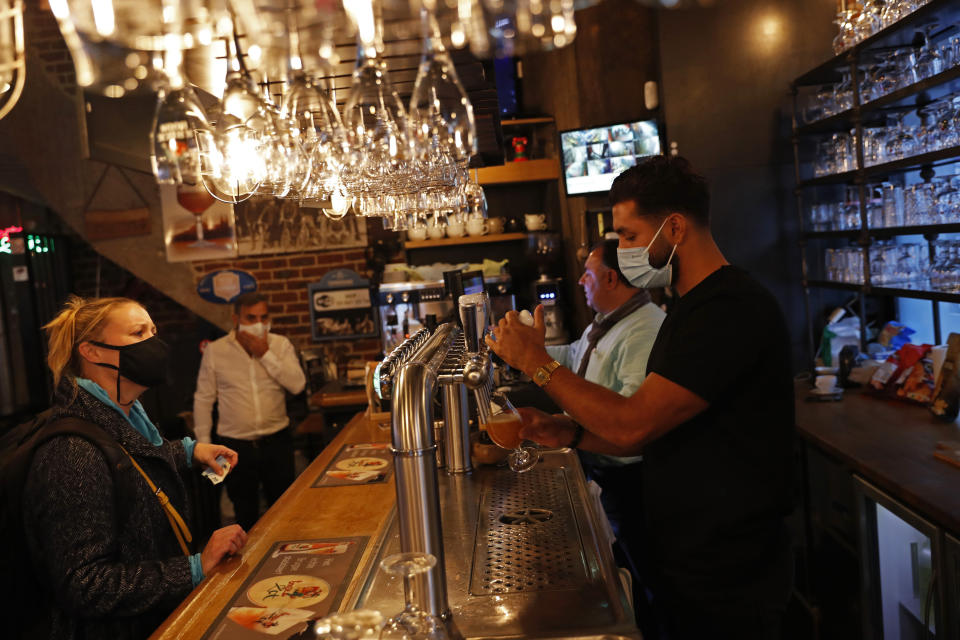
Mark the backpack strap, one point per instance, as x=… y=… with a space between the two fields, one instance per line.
x=179 y=527
x=115 y=453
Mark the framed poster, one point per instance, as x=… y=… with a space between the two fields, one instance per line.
x=275 y=225
x=341 y=306
x=196 y=226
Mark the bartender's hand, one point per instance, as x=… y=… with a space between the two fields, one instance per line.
x=206 y=454
x=543 y=428
x=254 y=345
x=519 y=345
x=224 y=542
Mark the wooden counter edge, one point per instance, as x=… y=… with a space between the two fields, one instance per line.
x=194 y=616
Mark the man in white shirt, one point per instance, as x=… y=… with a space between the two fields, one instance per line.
x=248 y=372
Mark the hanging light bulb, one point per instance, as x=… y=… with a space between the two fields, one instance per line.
x=12 y=61
x=440 y=111
x=232 y=163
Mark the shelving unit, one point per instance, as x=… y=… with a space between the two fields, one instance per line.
x=536 y=170
x=909 y=98
x=450 y=242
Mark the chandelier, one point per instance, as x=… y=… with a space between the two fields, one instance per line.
x=12 y=66
x=277 y=130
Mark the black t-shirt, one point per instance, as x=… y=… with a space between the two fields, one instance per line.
x=716 y=488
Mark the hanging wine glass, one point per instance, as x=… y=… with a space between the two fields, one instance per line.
x=413 y=623
x=504 y=427
x=113 y=42
x=441 y=116
x=374 y=118
x=175 y=156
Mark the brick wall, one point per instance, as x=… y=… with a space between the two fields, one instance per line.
x=284 y=278
x=45 y=43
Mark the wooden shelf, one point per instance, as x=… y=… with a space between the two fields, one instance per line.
x=538 y=170
x=519 y=122
x=448 y=242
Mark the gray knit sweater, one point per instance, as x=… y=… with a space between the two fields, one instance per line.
x=111 y=563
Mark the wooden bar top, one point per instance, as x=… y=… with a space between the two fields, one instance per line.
x=302 y=513
x=334 y=394
x=891 y=445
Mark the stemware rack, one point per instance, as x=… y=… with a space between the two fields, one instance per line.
x=861 y=114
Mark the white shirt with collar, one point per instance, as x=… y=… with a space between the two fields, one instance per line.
x=250 y=392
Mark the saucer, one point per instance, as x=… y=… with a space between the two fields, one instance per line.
x=829 y=392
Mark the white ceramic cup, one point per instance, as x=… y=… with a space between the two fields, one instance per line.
x=455 y=229
x=417 y=233
x=535 y=221
x=826 y=383
x=476 y=226
x=495 y=225
x=435 y=231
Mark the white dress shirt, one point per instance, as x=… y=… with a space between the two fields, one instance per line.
x=249 y=391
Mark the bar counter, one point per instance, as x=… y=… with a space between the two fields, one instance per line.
x=891 y=445
x=301 y=513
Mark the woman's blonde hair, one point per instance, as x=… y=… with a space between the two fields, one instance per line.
x=81 y=319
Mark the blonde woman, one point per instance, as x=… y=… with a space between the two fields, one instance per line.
x=108 y=554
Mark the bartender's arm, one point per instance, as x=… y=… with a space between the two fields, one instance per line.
x=614 y=424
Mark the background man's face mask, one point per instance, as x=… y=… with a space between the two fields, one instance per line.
x=258 y=329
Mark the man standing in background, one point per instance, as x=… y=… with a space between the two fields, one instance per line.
x=247 y=373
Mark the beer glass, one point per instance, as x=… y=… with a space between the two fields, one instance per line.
x=503 y=428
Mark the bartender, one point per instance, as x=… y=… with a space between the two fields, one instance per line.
x=713 y=418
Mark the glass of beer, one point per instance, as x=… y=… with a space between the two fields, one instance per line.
x=503 y=427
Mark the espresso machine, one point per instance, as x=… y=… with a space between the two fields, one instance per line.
x=545 y=249
x=405 y=307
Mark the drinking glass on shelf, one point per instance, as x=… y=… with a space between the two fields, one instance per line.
x=843 y=92
x=892 y=205
x=504 y=430
x=413 y=623
x=929 y=60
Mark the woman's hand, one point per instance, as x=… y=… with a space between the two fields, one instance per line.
x=224 y=542
x=206 y=454
x=543 y=428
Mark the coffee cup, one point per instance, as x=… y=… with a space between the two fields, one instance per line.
x=495 y=225
x=535 y=221
x=417 y=233
x=826 y=383
x=455 y=229
x=435 y=231
x=476 y=227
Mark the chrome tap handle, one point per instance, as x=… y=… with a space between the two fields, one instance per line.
x=474 y=316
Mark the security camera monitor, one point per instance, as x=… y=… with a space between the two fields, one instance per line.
x=592 y=158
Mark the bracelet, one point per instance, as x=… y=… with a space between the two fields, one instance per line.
x=577 y=437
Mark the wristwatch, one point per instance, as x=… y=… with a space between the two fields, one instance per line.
x=542 y=375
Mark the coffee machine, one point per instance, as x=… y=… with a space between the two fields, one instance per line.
x=544 y=248
x=405 y=307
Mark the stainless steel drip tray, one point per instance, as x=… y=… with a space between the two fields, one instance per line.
x=523 y=557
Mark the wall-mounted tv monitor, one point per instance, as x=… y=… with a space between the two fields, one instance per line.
x=593 y=157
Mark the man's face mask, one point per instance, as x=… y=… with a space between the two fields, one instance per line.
x=258 y=329
x=143 y=363
x=636 y=267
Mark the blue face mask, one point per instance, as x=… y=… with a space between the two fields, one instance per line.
x=636 y=267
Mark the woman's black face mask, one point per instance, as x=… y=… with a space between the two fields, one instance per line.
x=143 y=363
